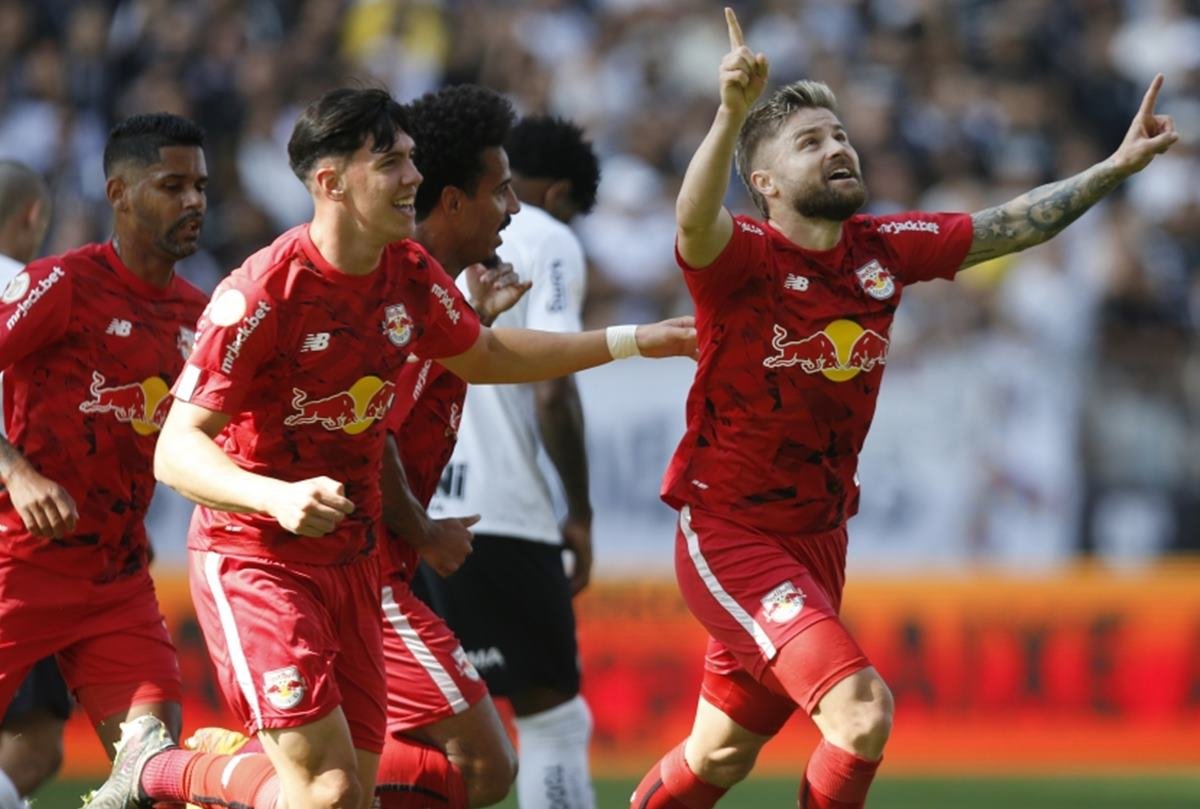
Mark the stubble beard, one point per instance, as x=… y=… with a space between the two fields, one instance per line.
x=825 y=202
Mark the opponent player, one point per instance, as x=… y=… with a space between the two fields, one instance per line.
x=89 y=343
x=31 y=730
x=794 y=314
x=292 y=374
x=512 y=593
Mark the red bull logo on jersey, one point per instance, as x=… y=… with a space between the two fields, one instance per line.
x=876 y=280
x=783 y=603
x=351 y=411
x=285 y=687
x=840 y=351
x=397 y=325
x=142 y=405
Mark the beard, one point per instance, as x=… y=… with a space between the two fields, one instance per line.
x=825 y=202
x=176 y=245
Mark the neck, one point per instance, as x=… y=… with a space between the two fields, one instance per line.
x=144 y=260
x=811 y=234
x=440 y=244
x=343 y=245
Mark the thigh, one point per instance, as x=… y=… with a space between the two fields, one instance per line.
x=316 y=751
x=42 y=693
x=746 y=587
x=761 y=708
x=472 y=739
x=271 y=637
x=429 y=677
x=359 y=666
x=510 y=605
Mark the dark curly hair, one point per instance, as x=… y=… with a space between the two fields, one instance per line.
x=138 y=138
x=340 y=121
x=452 y=127
x=549 y=148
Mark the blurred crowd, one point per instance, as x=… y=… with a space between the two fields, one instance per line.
x=1043 y=406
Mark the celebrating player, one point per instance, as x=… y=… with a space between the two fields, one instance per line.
x=90 y=342
x=277 y=432
x=794 y=313
x=512 y=593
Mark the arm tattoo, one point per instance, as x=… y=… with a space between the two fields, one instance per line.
x=1034 y=217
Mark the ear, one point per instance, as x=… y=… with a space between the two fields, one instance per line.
x=452 y=199
x=327 y=182
x=33 y=214
x=764 y=183
x=557 y=199
x=116 y=188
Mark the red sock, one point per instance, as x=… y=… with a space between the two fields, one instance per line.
x=671 y=784
x=413 y=775
x=210 y=779
x=836 y=779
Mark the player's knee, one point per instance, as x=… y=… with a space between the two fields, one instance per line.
x=335 y=789
x=866 y=724
x=726 y=765
x=490 y=777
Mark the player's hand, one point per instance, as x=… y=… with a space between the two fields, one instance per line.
x=46 y=509
x=674 y=337
x=1149 y=134
x=310 y=508
x=448 y=544
x=577 y=538
x=743 y=73
x=494 y=290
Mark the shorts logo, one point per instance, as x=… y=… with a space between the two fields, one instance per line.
x=783 y=603
x=465 y=669
x=284 y=687
x=397 y=325
x=16 y=288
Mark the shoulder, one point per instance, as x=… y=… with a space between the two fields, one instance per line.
x=749 y=227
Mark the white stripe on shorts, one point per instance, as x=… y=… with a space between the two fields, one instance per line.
x=421 y=653
x=233 y=641
x=744 y=619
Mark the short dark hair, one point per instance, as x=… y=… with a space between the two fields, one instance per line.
x=549 y=148
x=452 y=127
x=765 y=121
x=340 y=121
x=138 y=138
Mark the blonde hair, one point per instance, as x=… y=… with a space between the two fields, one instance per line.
x=765 y=120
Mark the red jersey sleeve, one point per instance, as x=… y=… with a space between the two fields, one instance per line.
x=235 y=335
x=35 y=309
x=732 y=267
x=453 y=325
x=926 y=245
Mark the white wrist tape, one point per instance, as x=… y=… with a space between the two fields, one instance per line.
x=622 y=341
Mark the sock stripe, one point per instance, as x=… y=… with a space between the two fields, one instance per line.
x=650 y=793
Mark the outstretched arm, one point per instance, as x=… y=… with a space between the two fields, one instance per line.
x=1036 y=216
x=704 y=227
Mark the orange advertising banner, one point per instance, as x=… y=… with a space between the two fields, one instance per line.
x=1088 y=671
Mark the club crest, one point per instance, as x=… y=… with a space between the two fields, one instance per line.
x=783 y=603
x=876 y=280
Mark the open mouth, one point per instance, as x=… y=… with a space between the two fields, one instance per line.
x=406 y=205
x=841 y=174
x=189 y=229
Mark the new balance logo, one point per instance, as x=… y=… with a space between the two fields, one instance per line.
x=317 y=341
x=119 y=327
x=796 y=283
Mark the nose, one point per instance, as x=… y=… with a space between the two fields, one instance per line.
x=413 y=176
x=514 y=204
x=195 y=200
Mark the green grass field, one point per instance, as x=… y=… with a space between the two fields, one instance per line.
x=1166 y=792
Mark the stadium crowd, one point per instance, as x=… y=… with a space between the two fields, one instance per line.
x=1057 y=392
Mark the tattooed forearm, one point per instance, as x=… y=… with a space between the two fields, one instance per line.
x=1034 y=217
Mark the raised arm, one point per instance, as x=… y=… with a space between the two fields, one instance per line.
x=189 y=461
x=703 y=224
x=1036 y=216
x=503 y=356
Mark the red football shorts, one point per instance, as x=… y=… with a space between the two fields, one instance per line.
x=292 y=642
x=110 y=640
x=756 y=592
x=429 y=677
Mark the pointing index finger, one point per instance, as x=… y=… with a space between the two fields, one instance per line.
x=735 y=30
x=1151 y=97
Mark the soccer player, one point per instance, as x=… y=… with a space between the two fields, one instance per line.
x=277 y=431
x=89 y=343
x=794 y=312
x=510 y=602
x=31 y=730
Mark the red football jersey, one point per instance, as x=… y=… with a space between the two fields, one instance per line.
x=89 y=351
x=424 y=420
x=304 y=359
x=793 y=344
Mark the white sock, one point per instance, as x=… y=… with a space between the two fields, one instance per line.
x=553 y=760
x=9 y=797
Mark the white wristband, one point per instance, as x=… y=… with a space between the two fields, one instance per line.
x=622 y=341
